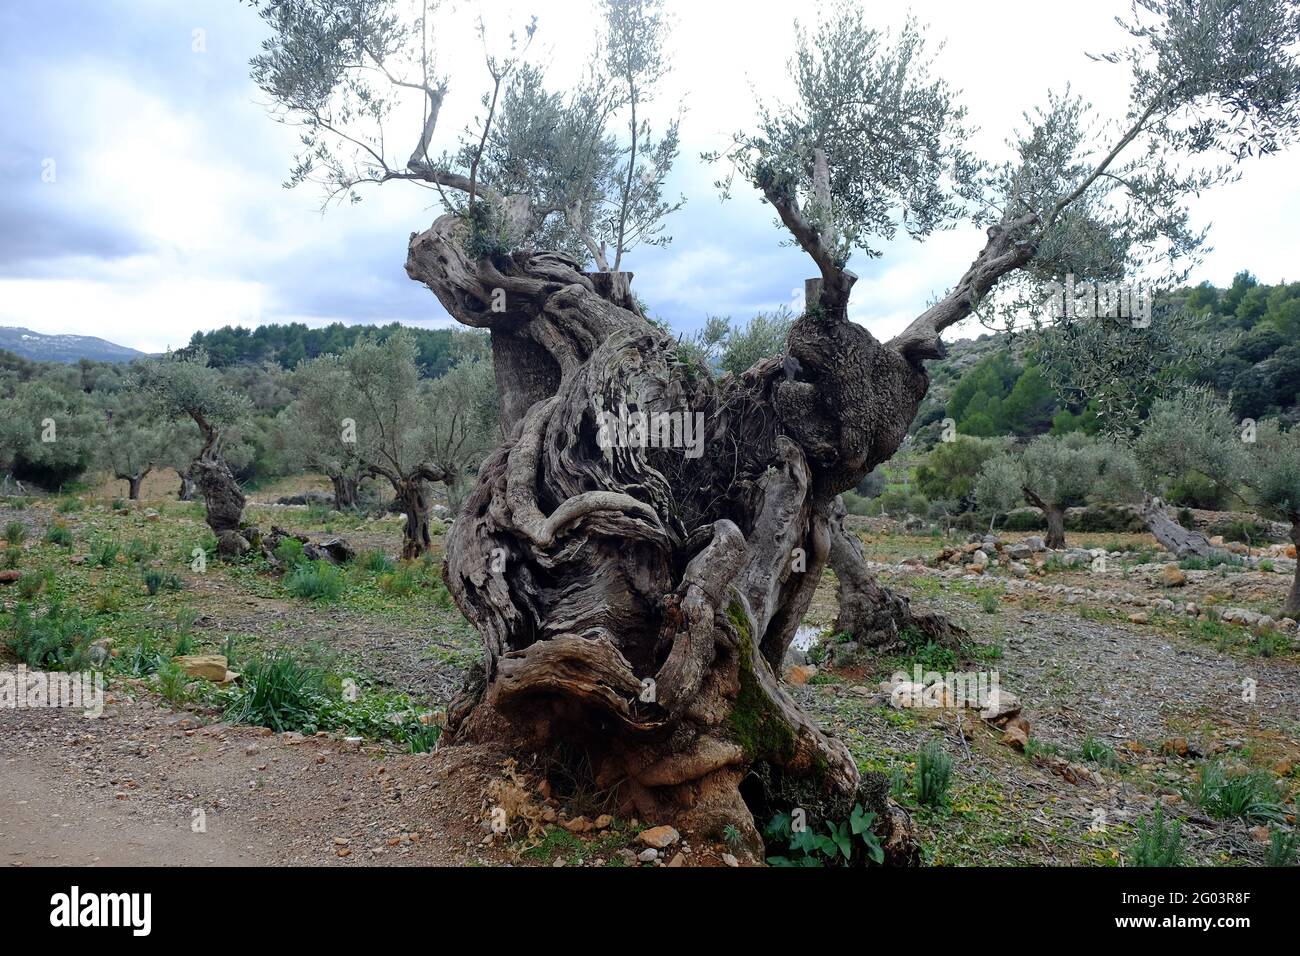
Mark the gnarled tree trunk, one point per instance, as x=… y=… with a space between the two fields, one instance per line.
x=186 y=490
x=1055 y=515
x=1173 y=537
x=413 y=496
x=346 y=491
x=634 y=601
x=222 y=496
x=875 y=615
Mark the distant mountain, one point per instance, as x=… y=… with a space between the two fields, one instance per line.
x=63 y=348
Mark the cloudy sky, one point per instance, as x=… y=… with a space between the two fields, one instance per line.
x=140 y=176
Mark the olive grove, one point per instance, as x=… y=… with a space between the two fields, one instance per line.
x=635 y=601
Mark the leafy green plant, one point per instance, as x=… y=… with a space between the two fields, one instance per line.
x=156 y=580
x=376 y=562
x=59 y=639
x=15 y=534
x=289 y=552
x=933 y=775
x=989 y=603
x=69 y=505
x=59 y=535
x=1095 y=751
x=30 y=584
x=1157 y=842
x=172 y=681
x=1269 y=643
x=278 y=691
x=1282 y=847
x=138 y=550
x=1248 y=795
x=141 y=659
x=849 y=842
x=103 y=553
x=315 y=581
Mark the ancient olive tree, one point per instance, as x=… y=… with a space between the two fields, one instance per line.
x=1256 y=463
x=185 y=388
x=412 y=431
x=635 y=600
x=1055 y=473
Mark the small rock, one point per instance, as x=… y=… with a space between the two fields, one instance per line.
x=659 y=838
x=730 y=860
x=800 y=674
x=1175 y=746
x=677 y=860
x=1016 y=733
x=1172 y=576
x=604 y=821
x=648 y=856
x=211 y=667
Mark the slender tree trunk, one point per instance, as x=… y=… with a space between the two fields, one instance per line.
x=133 y=486
x=186 y=490
x=874 y=615
x=633 y=600
x=413 y=495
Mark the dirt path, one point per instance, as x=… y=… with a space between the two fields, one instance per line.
x=133 y=787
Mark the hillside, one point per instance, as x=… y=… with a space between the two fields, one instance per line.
x=67 y=349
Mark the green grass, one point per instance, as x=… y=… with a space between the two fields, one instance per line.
x=280 y=692
x=59 y=535
x=1250 y=795
x=103 y=553
x=933 y=775
x=1094 y=751
x=1157 y=843
x=15 y=534
x=315 y=581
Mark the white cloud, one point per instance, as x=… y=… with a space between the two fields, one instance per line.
x=193 y=169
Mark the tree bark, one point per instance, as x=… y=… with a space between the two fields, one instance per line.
x=634 y=600
x=346 y=491
x=133 y=486
x=1055 y=527
x=412 y=493
x=1173 y=537
x=1055 y=515
x=186 y=490
x=222 y=496
x=876 y=616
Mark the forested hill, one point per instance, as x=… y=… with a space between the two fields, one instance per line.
x=991 y=386
x=287 y=345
